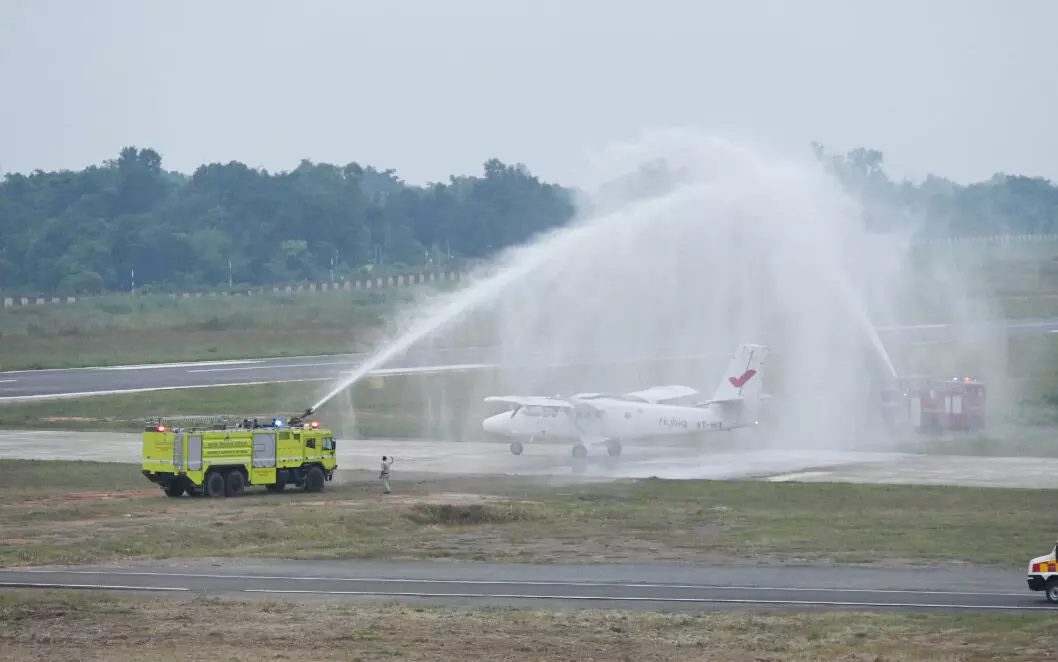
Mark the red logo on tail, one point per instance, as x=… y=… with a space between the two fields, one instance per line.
x=739 y=382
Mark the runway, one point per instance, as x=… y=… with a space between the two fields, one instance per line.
x=653 y=587
x=40 y=384
x=445 y=458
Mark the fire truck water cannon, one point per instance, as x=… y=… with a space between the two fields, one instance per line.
x=297 y=420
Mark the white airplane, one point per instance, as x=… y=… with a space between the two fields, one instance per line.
x=605 y=419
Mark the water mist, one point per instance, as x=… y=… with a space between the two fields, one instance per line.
x=687 y=245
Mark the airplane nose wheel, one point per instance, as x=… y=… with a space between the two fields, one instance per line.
x=613 y=447
x=516 y=447
x=579 y=451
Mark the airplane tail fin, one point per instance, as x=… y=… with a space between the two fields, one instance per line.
x=744 y=377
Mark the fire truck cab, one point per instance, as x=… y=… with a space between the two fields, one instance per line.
x=1043 y=574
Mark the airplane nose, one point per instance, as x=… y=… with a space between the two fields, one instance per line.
x=493 y=424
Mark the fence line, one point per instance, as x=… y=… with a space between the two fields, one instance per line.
x=364 y=284
x=995 y=239
x=407 y=280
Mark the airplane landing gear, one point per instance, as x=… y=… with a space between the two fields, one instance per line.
x=613 y=447
x=579 y=451
x=516 y=447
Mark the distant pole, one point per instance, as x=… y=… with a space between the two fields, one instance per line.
x=132 y=277
x=229 y=274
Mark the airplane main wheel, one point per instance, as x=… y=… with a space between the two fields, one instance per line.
x=613 y=447
x=516 y=447
x=580 y=451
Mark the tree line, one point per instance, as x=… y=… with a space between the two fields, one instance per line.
x=130 y=223
x=937 y=207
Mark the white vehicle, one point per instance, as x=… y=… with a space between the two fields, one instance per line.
x=601 y=418
x=1043 y=574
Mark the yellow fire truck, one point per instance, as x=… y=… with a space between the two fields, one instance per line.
x=219 y=456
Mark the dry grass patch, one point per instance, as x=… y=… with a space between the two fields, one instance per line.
x=83 y=512
x=65 y=626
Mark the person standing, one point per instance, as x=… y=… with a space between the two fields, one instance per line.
x=384 y=476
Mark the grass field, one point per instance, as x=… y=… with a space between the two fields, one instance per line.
x=80 y=512
x=86 y=626
x=114 y=330
x=154 y=329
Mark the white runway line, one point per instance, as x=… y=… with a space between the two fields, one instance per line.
x=380 y=371
x=98 y=587
x=189 y=364
x=626 y=598
x=782 y=478
x=85 y=394
x=509 y=582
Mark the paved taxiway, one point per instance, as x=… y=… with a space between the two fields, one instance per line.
x=674 y=461
x=64 y=383
x=602 y=586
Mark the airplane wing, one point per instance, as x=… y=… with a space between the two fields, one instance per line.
x=728 y=401
x=656 y=394
x=530 y=401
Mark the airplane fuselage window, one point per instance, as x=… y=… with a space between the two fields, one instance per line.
x=540 y=411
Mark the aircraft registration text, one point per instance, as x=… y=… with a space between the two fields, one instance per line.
x=672 y=422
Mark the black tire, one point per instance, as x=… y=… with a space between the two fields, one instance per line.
x=276 y=487
x=213 y=486
x=174 y=488
x=516 y=447
x=314 y=480
x=579 y=451
x=234 y=483
x=613 y=447
x=1051 y=589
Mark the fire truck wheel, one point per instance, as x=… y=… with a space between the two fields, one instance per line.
x=234 y=483
x=1052 y=591
x=214 y=485
x=174 y=488
x=314 y=480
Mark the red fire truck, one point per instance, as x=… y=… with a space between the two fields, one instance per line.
x=932 y=406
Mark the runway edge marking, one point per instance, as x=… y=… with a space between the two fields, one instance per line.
x=501 y=582
x=97 y=587
x=626 y=598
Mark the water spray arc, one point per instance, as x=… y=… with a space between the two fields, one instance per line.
x=516 y=265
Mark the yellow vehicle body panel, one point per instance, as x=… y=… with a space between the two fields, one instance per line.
x=263 y=455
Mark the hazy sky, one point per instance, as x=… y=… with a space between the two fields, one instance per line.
x=962 y=88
